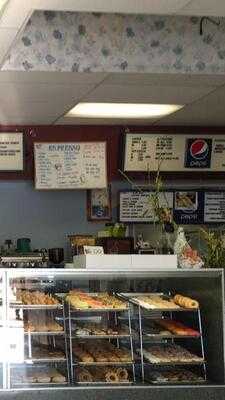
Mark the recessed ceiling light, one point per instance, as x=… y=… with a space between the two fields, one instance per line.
x=122 y=110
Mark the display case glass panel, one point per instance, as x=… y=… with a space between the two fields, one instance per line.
x=69 y=328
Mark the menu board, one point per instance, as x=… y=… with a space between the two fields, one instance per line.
x=11 y=151
x=214 y=207
x=79 y=165
x=187 y=207
x=136 y=206
x=150 y=152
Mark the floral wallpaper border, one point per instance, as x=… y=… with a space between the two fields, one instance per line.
x=91 y=42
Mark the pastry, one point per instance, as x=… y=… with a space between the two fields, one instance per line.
x=57 y=377
x=169 y=353
x=82 y=300
x=178 y=375
x=186 y=302
x=122 y=374
x=42 y=377
x=100 y=351
x=36 y=298
x=83 y=375
x=177 y=328
x=155 y=302
x=111 y=376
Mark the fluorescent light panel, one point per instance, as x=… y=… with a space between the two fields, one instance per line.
x=122 y=110
x=3 y=4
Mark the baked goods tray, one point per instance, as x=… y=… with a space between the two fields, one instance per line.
x=56 y=333
x=103 y=310
x=44 y=360
x=101 y=336
x=36 y=306
x=177 y=383
x=39 y=384
x=174 y=363
x=159 y=336
x=102 y=364
x=105 y=383
x=131 y=298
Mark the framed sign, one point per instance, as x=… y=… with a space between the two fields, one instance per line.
x=11 y=151
x=186 y=206
x=136 y=206
x=77 y=165
x=174 y=153
x=99 y=207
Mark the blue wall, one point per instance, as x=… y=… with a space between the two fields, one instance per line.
x=45 y=217
x=48 y=217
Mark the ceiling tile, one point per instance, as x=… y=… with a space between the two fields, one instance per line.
x=118 y=6
x=204 y=7
x=18 y=93
x=207 y=111
x=7 y=36
x=106 y=121
x=149 y=94
x=16 y=14
x=26 y=120
x=162 y=79
x=52 y=77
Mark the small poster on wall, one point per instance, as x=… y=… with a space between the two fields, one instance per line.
x=99 y=207
x=11 y=151
x=188 y=207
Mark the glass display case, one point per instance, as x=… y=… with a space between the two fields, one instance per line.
x=72 y=328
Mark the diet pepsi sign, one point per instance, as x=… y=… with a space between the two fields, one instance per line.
x=198 y=153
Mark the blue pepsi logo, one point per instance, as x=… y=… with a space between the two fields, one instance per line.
x=199 y=149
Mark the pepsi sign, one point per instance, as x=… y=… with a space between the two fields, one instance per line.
x=198 y=153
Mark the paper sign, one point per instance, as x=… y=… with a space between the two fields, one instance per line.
x=80 y=165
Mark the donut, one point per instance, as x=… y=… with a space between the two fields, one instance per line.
x=111 y=376
x=122 y=374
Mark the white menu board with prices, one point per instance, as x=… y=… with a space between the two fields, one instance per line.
x=79 y=165
x=136 y=206
x=214 y=210
x=11 y=151
x=174 y=153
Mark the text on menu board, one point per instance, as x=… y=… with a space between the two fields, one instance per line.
x=150 y=152
x=79 y=165
x=186 y=206
x=11 y=151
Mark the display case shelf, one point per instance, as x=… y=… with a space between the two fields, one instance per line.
x=43 y=307
x=103 y=364
x=59 y=333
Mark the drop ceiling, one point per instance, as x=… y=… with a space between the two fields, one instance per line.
x=43 y=98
